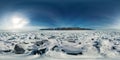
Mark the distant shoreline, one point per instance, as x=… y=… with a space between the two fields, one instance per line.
x=67 y=28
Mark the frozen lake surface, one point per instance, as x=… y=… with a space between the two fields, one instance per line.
x=60 y=45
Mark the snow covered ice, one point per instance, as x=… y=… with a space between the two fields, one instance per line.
x=60 y=45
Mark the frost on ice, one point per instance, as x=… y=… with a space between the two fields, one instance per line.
x=61 y=44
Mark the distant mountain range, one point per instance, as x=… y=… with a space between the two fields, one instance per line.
x=67 y=28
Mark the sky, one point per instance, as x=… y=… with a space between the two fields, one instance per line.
x=97 y=14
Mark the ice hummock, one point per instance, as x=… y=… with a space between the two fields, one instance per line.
x=61 y=44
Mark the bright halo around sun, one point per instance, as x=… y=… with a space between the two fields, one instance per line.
x=18 y=22
x=15 y=21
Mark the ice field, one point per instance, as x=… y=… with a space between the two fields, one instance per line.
x=60 y=45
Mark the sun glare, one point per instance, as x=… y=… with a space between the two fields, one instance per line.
x=15 y=21
x=18 y=22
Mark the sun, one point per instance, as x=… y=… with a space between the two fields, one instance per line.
x=18 y=22
x=15 y=21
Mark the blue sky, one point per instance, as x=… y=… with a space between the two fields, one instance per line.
x=66 y=13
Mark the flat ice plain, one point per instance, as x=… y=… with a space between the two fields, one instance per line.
x=60 y=45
